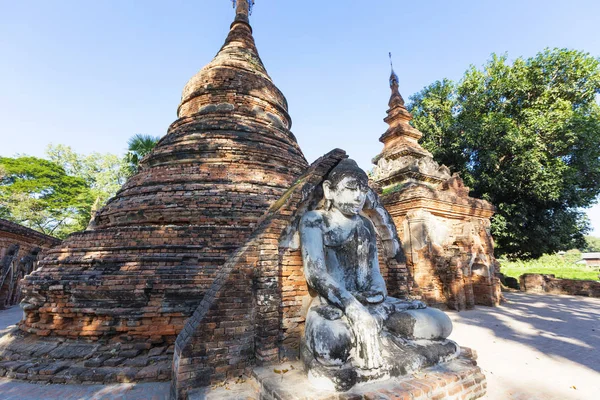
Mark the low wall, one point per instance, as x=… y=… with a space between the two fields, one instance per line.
x=541 y=283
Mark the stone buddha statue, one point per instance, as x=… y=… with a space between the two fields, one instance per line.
x=354 y=331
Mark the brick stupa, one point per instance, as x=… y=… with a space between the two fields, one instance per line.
x=445 y=232
x=144 y=264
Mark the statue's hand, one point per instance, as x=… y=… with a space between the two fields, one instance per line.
x=403 y=305
x=358 y=314
x=366 y=332
x=417 y=305
x=375 y=298
x=369 y=297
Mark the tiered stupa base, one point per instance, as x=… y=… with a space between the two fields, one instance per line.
x=56 y=360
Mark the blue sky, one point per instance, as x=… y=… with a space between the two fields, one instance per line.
x=90 y=74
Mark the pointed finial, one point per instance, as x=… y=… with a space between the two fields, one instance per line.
x=243 y=7
x=393 y=76
x=396 y=99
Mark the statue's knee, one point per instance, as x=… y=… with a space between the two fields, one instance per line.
x=426 y=323
x=329 y=341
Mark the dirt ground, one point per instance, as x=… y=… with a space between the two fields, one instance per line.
x=534 y=347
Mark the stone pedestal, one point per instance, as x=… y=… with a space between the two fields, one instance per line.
x=458 y=379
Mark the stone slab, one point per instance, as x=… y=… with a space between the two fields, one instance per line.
x=246 y=390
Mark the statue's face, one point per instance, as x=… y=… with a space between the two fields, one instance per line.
x=348 y=196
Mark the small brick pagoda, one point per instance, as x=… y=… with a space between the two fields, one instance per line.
x=20 y=248
x=445 y=233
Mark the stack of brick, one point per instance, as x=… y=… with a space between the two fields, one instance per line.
x=149 y=256
x=20 y=248
x=445 y=233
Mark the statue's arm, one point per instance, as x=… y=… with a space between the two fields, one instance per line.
x=377 y=281
x=313 y=258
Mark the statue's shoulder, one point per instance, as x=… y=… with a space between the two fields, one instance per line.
x=312 y=219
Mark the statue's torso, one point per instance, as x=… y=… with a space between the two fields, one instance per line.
x=348 y=251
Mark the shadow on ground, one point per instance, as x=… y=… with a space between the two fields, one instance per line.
x=559 y=325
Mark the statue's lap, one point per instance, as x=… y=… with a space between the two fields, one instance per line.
x=329 y=333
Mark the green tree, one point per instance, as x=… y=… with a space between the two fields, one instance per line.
x=39 y=194
x=525 y=136
x=104 y=173
x=592 y=244
x=138 y=147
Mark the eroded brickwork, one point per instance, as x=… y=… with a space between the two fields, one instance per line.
x=294 y=303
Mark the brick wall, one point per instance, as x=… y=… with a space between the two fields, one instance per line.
x=439 y=263
x=542 y=283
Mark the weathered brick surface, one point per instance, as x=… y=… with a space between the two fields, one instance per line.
x=47 y=359
x=445 y=233
x=150 y=255
x=20 y=248
x=548 y=283
x=294 y=302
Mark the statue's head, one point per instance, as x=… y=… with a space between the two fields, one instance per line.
x=346 y=188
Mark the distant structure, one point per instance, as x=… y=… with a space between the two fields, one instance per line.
x=591 y=259
x=20 y=248
x=445 y=233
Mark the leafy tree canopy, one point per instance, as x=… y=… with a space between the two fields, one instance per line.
x=58 y=196
x=40 y=194
x=525 y=136
x=592 y=244
x=103 y=173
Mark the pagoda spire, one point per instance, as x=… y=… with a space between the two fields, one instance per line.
x=243 y=9
x=401 y=138
x=396 y=98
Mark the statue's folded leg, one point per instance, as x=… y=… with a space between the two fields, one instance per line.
x=328 y=336
x=326 y=349
x=424 y=323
